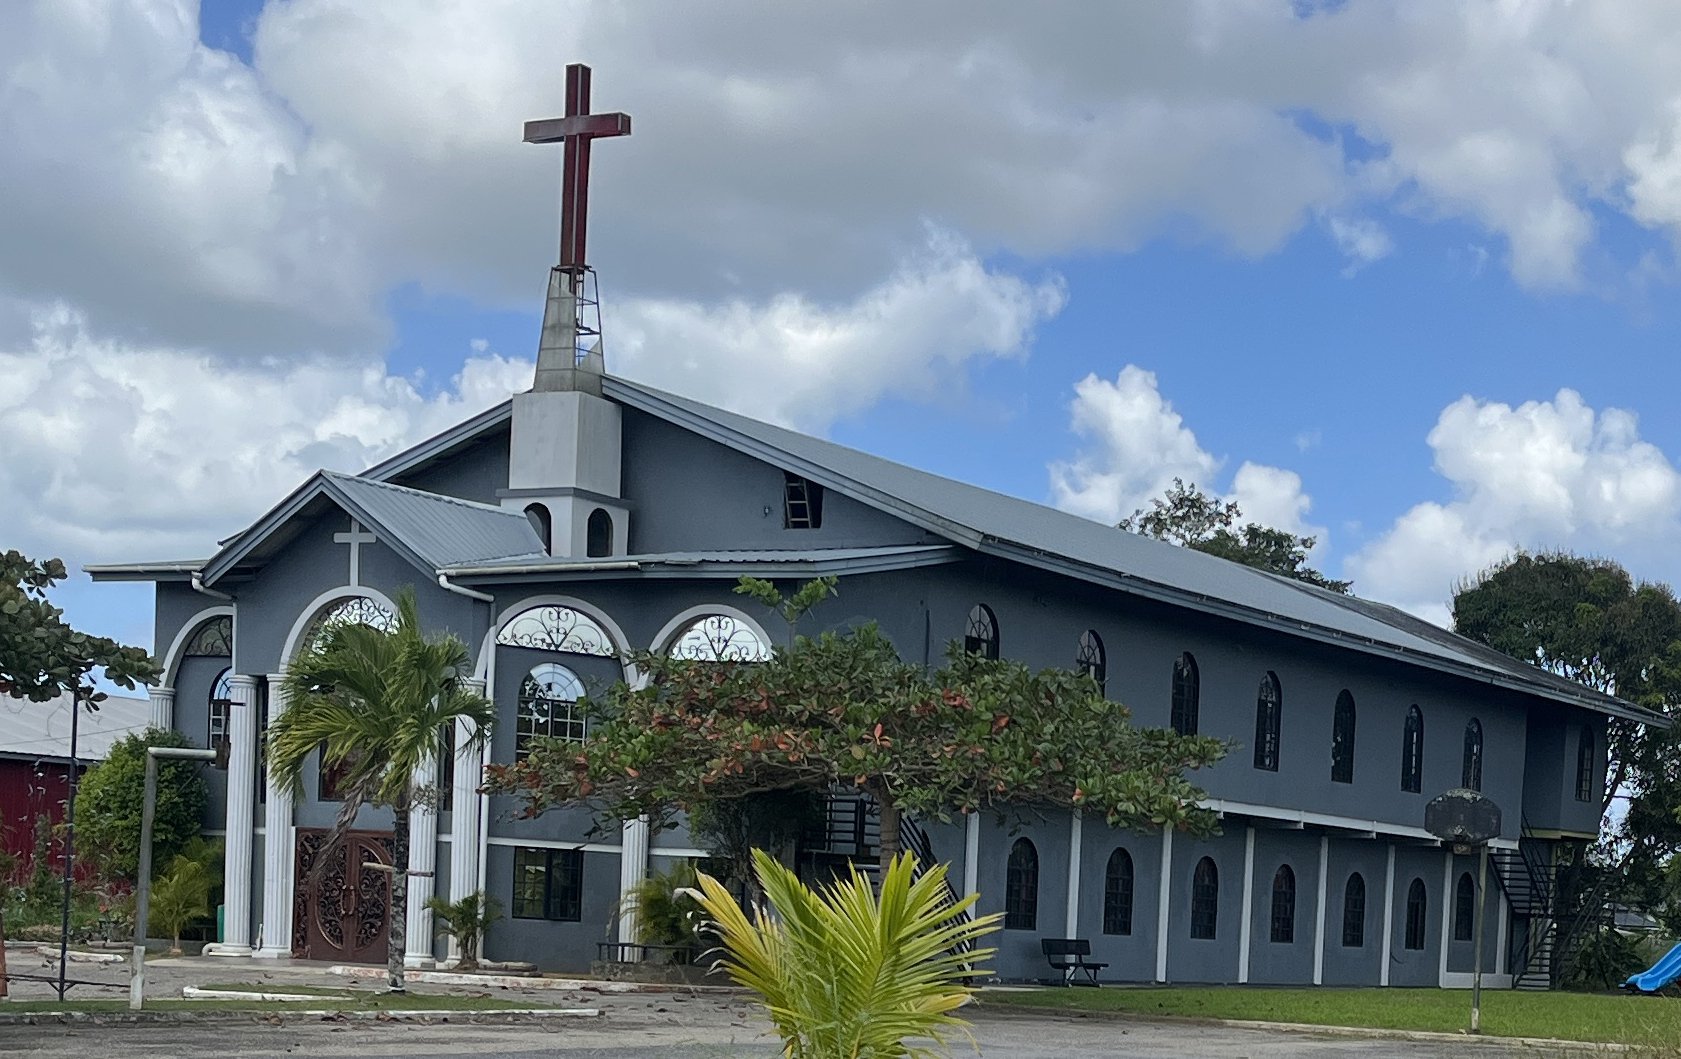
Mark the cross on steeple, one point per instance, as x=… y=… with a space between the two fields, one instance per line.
x=557 y=352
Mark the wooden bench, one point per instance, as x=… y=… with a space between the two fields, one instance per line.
x=1068 y=955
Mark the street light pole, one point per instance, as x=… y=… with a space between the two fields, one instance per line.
x=143 y=887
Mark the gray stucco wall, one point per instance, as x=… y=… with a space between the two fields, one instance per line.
x=552 y=945
x=474 y=473
x=194 y=681
x=1131 y=957
x=1417 y=966
x=1553 y=738
x=1277 y=961
x=1355 y=964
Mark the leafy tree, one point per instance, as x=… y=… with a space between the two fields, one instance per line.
x=41 y=656
x=375 y=703
x=1191 y=518
x=843 y=973
x=841 y=709
x=109 y=800
x=467 y=921
x=730 y=829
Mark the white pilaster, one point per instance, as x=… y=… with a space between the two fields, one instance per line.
x=278 y=847
x=1388 y=916
x=1072 y=919
x=633 y=868
x=1163 y=888
x=1502 y=914
x=972 y=854
x=1248 y=924
x=163 y=708
x=238 y=829
x=466 y=846
x=1447 y=915
x=423 y=865
x=1319 y=915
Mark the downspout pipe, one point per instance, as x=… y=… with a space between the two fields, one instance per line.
x=198 y=586
x=448 y=586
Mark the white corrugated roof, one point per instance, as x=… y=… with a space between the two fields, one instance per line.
x=42 y=729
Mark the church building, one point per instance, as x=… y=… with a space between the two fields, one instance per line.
x=594 y=515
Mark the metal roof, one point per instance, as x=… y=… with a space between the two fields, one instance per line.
x=802 y=562
x=42 y=729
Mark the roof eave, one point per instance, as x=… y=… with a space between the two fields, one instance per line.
x=657 y=569
x=142 y=571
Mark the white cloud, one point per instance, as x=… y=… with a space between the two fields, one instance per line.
x=1546 y=474
x=1134 y=444
x=1361 y=241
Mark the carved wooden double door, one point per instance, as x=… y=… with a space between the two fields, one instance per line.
x=342 y=908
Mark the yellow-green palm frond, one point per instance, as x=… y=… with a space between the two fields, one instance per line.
x=849 y=974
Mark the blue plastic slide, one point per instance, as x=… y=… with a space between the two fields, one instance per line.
x=1662 y=973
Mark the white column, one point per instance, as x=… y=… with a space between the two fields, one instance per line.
x=278 y=847
x=1502 y=914
x=1319 y=920
x=1071 y=920
x=1248 y=923
x=466 y=841
x=163 y=707
x=633 y=868
x=423 y=865
x=1163 y=885
x=1447 y=915
x=972 y=855
x=240 y=822
x=1388 y=916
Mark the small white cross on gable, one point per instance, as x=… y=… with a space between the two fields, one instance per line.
x=355 y=538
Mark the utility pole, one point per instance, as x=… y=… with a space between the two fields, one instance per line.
x=143 y=888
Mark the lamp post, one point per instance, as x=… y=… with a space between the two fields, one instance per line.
x=143 y=888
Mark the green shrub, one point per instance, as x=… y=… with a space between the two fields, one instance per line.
x=467 y=921
x=1604 y=960
x=109 y=799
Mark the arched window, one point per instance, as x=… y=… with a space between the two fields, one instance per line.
x=1185 y=695
x=1205 y=900
x=1284 y=905
x=548 y=707
x=720 y=638
x=213 y=639
x=1354 y=912
x=1585 y=765
x=1269 y=701
x=1415 y=915
x=1464 y=907
x=1412 y=751
x=1091 y=660
x=541 y=524
x=1471 y=771
x=1021 y=887
x=1117 y=893
x=357 y=610
x=981 y=637
x=1342 y=739
x=221 y=701
x=598 y=534
x=557 y=628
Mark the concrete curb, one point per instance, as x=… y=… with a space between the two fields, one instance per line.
x=510 y=981
x=154 y=1018
x=193 y=992
x=981 y=1010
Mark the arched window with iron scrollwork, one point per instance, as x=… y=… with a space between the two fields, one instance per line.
x=558 y=628
x=213 y=639
x=1092 y=661
x=720 y=638
x=548 y=707
x=356 y=610
x=981 y=635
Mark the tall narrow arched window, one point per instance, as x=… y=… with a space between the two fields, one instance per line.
x=1021 y=887
x=1284 y=905
x=1412 y=751
x=1416 y=910
x=1471 y=771
x=1464 y=907
x=981 y=636
x=1117 y=893
x=1205 y=900
x=598 y=534
x=1342 y=739
x=221 y=701
x=1092 y=661
x=1186 y=692
x=1269 y=702
x=1585 y=765
x=1354 y=912
x=541 y=524
x=548 y=708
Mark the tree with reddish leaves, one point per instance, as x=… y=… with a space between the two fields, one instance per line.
x=841 y=710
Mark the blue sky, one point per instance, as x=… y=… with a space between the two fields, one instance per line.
x=1337 y=263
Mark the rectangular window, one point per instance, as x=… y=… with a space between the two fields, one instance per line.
x=546 y=717
x=802 y=503
x=549 y=884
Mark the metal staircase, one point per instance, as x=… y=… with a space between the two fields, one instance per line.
x=1555 y=921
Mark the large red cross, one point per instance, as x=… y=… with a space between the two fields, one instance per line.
x=576 y=130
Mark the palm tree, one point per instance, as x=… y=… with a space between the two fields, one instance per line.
x=376 y=703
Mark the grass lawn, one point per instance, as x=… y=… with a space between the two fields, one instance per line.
x=330 y=999
x=1568 y=1016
